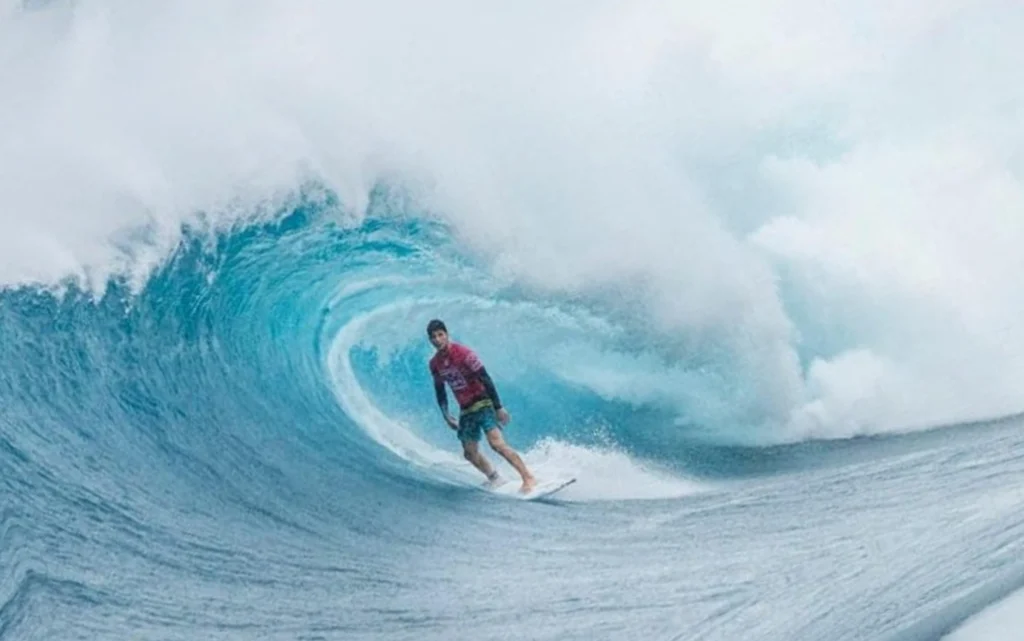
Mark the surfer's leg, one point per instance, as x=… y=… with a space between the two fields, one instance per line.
x=498 y=444
x=471 y=450
x=469 y=434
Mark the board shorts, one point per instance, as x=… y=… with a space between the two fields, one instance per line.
x=474 y=423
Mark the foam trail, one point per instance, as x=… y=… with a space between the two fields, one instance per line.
x=397 y=437
x=604 y=474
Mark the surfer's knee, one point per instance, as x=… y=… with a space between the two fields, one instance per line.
x=500 y=446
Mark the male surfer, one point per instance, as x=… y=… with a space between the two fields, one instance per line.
x=479 y=405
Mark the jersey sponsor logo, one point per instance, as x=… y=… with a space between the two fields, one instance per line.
x=453 y=375
x=458 y=367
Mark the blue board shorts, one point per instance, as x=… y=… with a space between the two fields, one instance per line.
x=473 y=424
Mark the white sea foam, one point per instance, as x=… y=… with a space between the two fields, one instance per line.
x=773 y=176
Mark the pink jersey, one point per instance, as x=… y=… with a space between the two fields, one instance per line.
x=458 y=366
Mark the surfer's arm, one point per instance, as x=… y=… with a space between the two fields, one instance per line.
x=492 y=392
x=442 y=402
x=442 y=397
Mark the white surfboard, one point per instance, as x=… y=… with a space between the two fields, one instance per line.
x=547 y=488
x=544 y=487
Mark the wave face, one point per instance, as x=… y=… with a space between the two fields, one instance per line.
x=746 y=282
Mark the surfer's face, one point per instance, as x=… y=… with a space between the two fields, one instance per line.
x=439 y=339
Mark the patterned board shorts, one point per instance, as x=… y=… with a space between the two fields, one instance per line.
x=473 y=424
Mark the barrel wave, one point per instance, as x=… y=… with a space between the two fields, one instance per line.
x=746 y=276
x=247 y=448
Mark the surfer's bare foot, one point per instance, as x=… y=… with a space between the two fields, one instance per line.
x=528 y=485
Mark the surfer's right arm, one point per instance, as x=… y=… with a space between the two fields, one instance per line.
x=442 y=402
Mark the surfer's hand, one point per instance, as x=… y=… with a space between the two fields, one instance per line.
x=503 y=417
x=452 y=423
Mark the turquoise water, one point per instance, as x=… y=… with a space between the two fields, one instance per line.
x=746 y=273
x=248 y=448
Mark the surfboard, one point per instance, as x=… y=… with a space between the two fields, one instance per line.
x=544 y=487
x=547 y=488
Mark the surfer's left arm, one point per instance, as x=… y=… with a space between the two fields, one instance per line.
x=476 y=368
x=492 y=392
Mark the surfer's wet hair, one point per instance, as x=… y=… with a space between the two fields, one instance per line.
x=435 y=325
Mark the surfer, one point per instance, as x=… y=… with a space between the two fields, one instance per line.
x=480 y=409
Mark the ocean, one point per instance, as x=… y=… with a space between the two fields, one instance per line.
x=749 y=277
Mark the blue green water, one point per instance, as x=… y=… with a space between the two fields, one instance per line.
x=248 y=449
